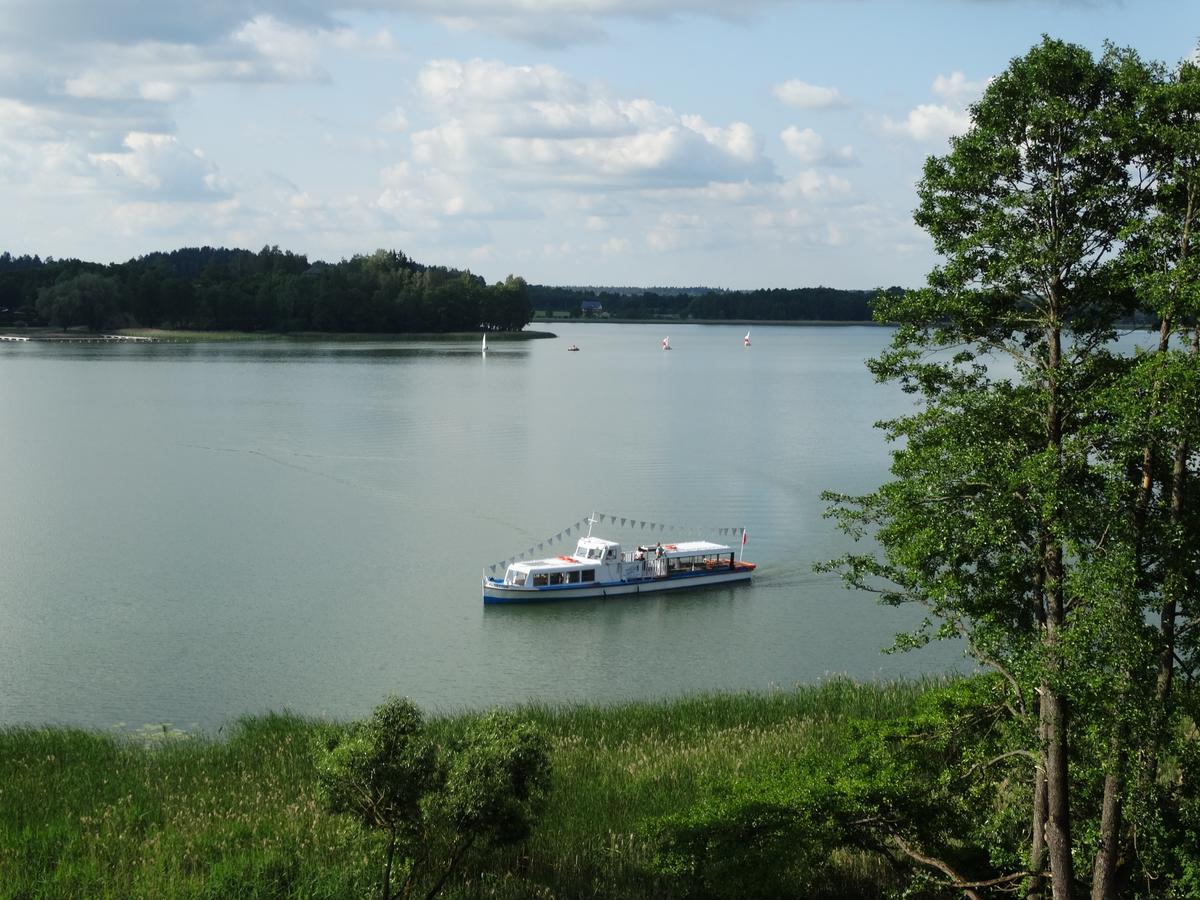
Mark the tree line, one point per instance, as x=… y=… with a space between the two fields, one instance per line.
x=816 y=304
x=215 y=288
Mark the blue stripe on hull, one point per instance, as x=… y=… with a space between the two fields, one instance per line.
x=593 y=591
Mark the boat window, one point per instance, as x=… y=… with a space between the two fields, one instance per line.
x=540 y=579
x=574 y=577
x=588 y=575
x=515 y=577
x=612 y=554
x=593 y=553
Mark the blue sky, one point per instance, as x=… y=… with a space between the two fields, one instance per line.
x=764 y=143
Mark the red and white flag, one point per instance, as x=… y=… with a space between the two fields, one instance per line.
x=743 y=537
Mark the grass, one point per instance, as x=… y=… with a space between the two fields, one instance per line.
x=162 y=815
x=186 y=336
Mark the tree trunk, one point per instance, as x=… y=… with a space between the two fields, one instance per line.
x=1174 y=581
x=1104 y=871
x=1104 y=867
x=1058 y=802
x=1037 y=853
x=1054 y=704
x=387 y=865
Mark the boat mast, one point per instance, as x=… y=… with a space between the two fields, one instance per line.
x=591 y=520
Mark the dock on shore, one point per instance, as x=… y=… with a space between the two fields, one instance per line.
x=80 y=338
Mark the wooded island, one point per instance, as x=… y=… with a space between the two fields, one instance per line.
x=219 y=289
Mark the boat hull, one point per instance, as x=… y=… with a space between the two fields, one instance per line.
x=495 y=591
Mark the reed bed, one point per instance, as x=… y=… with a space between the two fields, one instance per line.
x=162 y=814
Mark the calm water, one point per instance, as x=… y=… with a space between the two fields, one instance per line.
x=193 y=532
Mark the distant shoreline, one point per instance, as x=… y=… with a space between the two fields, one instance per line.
x=190 y=336
x=614 y=320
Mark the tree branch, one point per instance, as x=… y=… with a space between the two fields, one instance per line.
x=956 y=880
x=1008 y=676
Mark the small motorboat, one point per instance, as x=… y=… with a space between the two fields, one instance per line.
x=573 y=348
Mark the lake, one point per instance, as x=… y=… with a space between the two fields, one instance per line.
x=193 y=532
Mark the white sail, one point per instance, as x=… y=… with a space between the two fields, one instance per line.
x=485 y=343
x=666 y=343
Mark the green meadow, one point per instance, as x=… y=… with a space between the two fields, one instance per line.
x=163 y=814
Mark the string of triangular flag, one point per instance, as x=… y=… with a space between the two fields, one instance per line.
x=621 y=521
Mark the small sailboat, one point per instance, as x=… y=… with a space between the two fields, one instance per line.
x=666 y=343
x=485 y=343
x=746 y=340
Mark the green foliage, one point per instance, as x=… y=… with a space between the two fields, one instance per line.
x=818 y=304
x=219 y=289
x=86 y=299
x=930 y=779
x=1041 y=501
x=382 y=769
x=106 y=816
x=496 y=781
x=435 y=803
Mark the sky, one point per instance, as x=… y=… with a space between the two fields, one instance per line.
x=727 y=143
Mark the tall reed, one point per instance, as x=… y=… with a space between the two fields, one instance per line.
x=164 y=815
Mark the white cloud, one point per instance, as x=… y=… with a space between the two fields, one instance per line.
x=287 y=53
x=159 y=166
x=382 y=41
x=929 y=122
x=738 y=140
x=23 y=121
x=811 y=185
x=811 y=149
x=803 y=95
x=536 y=125
x=956 y=90
x=483 y=253
x=676 y=231
x=522 y=101
x=932 y=122
x=394 y=120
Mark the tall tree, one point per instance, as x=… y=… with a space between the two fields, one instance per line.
x=996 y=517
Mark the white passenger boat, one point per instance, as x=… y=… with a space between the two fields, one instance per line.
x=600 y=568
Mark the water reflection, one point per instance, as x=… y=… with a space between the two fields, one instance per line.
x=289 y=351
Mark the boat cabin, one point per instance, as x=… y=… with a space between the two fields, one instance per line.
x=599 y=560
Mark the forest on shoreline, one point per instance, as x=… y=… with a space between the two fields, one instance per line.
x=386 y=292
x=219 y=289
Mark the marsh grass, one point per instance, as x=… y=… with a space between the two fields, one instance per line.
x=86 y=814
x=179 y=335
